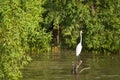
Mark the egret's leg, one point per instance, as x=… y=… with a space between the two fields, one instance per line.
x=78 y=58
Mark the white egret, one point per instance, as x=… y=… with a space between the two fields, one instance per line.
x=79 y=46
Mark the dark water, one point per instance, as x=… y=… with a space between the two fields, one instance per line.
x=59 y=67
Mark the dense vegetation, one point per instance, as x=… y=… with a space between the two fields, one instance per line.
x=26 y=27
x=20 y=33
x=99 y=20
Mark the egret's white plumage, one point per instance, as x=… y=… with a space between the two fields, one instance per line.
x=78 y=49
x=79 y=46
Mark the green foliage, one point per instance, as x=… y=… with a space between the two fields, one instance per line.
x=99 y=20
x=19 y=21
x=102 y=29
x=39 y=40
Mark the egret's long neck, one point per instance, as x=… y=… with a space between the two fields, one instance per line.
x=81 y=38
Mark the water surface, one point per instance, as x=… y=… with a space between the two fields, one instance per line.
x=59 y=67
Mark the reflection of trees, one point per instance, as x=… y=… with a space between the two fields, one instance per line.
x=103 y=65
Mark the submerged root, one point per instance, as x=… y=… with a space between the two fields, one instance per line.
x=84 y=69
x=75 y=67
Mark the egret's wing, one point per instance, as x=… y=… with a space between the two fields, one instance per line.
x=78 y=49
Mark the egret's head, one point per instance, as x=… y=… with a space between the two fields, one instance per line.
x=81 y=32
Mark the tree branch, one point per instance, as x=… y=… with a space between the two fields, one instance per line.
x=84 y=69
